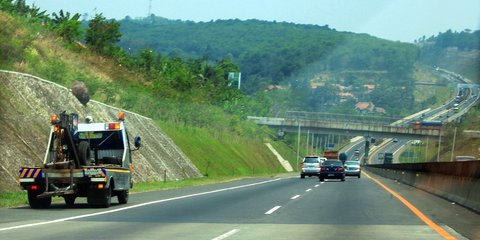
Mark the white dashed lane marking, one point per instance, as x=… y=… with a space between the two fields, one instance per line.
x=273 y=210
x=227 y=234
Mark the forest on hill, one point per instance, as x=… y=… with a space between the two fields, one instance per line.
x=456 y=51
x=311 y=64
x=284 y=66
x=277 y=53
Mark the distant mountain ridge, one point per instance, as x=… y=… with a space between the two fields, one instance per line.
x=268 y=52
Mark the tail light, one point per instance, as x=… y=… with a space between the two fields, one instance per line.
x=53 y=118
x=303 y=164
x=319 y=165
x=323 y=169
x=340 y=169
x=113 y=126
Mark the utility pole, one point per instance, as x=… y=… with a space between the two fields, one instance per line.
x=426 y=150
x=308 y=135
x=298 y=145
x=453 y=145
x=439 y=143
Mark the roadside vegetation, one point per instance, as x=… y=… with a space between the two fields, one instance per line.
x=191 y=99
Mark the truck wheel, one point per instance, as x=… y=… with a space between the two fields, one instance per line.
x=123 y=196
x=38 y=203
x=84 y=153
x=69 y=200
x=107 y=197
x=99 y=197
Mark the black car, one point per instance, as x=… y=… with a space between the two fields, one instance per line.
x=332 y=169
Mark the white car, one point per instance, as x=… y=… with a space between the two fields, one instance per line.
x=352 y=168
x=311 y=166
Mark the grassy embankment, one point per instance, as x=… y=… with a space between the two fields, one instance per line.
x=218 y=153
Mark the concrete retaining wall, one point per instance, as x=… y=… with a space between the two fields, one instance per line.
x=456 y=181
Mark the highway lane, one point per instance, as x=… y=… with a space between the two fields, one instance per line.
x=276 y=208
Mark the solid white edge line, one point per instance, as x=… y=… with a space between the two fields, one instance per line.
x=136 y=206
x=273 y=210
x=308 y=190
x=295 y=197
x=227 y=234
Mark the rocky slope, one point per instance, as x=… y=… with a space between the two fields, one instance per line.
x=26 y=103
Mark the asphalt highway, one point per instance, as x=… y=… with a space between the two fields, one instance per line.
x=285 y=207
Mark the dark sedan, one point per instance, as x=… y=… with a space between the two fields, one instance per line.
x=332 y=169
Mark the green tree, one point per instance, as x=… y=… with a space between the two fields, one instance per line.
x=102 y=34
x=66 y=26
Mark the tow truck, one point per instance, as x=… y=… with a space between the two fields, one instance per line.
x=91 y=160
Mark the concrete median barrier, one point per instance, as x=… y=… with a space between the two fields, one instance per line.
x=458 y=182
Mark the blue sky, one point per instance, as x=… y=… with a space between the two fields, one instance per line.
x=398 y=20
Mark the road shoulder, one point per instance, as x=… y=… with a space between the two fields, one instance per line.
x=441 y=211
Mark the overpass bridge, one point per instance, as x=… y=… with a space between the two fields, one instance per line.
x=346 y=125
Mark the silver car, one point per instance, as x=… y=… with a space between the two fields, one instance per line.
x=352 y=168
x=311 y=166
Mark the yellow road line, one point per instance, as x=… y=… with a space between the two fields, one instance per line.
x=415 y=210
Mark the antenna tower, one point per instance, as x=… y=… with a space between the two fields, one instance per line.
x=149 y=8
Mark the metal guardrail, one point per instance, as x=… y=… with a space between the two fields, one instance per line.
x=344 y=118
x=290 y=125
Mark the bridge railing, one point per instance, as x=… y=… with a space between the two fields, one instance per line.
x=345 y=118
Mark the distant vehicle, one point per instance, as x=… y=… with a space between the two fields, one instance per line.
x=387 y=158
x=357 y=153
x=352 y=168
x=332 y=169
x=465 y=158
x=330 y=154
x=429 y=125
x=395 y=140
x=311 y=166
x=380 y=157
x=417 y=142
